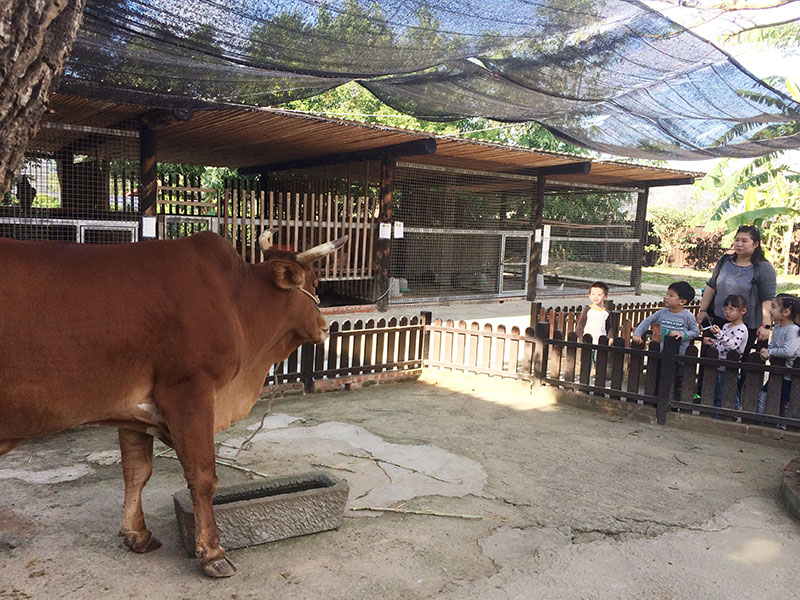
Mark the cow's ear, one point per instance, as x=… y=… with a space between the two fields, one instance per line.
x=287 y=274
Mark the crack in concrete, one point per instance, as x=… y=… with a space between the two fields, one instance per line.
x=636 y=527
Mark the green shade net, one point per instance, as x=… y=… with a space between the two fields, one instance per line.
x=613 y=76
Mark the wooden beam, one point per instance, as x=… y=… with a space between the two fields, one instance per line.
x=662 y=182
x=535 y=264
x=573 y=168
x=148 y=181
x=161 y=117
x=383 y=247
x=415 y=148
x=640 y=232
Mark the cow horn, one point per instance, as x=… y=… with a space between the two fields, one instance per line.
x=265 y=240
x=307 y=257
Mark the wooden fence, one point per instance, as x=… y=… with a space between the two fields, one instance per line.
x=302 y=221
x=371 y=348
x=650 y=375
x=624 y=316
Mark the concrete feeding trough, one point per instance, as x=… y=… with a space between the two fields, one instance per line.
x=269 y=509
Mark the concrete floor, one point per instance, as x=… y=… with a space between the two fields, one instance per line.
x=546 y=501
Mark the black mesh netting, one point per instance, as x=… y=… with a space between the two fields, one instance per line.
x=610 y=75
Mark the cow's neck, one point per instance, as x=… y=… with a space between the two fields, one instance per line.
x=266 y=315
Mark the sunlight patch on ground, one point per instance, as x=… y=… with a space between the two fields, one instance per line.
x=756 y=551
x=504 y=392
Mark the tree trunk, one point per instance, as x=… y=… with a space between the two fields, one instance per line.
x=36 y=37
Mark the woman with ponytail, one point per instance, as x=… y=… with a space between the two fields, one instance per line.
x=748 y=273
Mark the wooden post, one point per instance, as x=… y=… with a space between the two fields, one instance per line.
x=148 y=175
x=307 y=367
x=383 y=247
x=535 y=264
x=425 y=319
x=536 y=308
x=639 y=232
x=540 y=353
x=666 y=378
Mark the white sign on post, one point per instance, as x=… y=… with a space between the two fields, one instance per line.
x=398 y=229
x=546 y=245
x=537 y=236
x=148 y=227
x=385 y=231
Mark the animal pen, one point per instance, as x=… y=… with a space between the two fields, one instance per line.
x=429 y=219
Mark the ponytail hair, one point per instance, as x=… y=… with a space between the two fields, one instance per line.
x=790 y=303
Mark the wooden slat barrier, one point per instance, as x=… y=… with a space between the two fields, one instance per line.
x=301 y=221
x=565 y=318
x=652 y=376
x=480 y=350
x=355 y=349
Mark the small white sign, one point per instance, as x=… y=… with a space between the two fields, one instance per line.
x=385 y=231
x=398 y=229
x=148 y=227
x=546 y=246
x=537 y=236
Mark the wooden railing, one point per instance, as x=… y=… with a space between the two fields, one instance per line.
x=301 y=221
x=653 y=375
x=565 y=319
x=371 y=348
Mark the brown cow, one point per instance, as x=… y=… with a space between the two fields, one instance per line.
x=161 y=338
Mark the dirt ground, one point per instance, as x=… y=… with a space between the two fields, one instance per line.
x=573 y=504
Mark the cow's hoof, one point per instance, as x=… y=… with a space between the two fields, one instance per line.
x=221 y=567
x=141 y=543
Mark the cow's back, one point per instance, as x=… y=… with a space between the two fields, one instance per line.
x=85 y=329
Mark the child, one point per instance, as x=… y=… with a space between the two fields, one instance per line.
x=784 y=343
x=594 y=319
x=674 y=320
x=732 y=336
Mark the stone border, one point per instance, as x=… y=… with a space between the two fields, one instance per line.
x=790 y=488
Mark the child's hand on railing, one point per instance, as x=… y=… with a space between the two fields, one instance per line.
x=676 y=334
x=764 y=354
x=637 y=340
x=708 y=341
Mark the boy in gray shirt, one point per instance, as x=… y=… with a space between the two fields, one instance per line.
x=674 y=320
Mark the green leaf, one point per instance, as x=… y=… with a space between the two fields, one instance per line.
x=758 y=215
x=750 y=198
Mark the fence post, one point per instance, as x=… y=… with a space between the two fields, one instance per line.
x=540 y=352
x=307 y=368
x=615 y=321
x=425 y=318
x=667 y=377
x=536 y=308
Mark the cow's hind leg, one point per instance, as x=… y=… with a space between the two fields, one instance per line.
x=137 y=466
x=189 y=413
x=8 y=445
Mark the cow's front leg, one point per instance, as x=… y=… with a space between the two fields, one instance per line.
x=137 y=466
x=190 y=418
